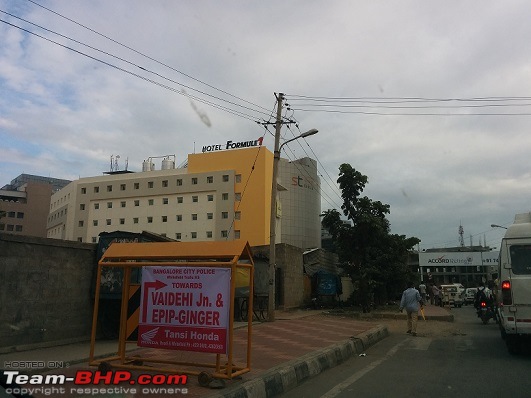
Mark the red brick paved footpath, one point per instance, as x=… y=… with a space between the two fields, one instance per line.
x=298 y=345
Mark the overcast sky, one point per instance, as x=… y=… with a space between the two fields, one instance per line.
x=463 y=159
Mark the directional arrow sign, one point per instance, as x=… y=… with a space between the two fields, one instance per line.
x=157 y=285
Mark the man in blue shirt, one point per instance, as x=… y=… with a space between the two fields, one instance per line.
x=411 y=301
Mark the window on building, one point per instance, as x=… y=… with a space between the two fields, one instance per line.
x=109 y=188
x=210 y=179
x=225 y=178
x=237 y=234
x=238 y=178
x=224 y=234
x=96 y=189
x=137 y=203
x=136 y=185
x=80 y=239
x=95 y=223
x=2 y=227
x=179 y=217
x=165 y=201
x=109 y=205
x=18 y=228
x=164 y=218
x=150 y=184
x=179 y=199
x=194 y=181
x=11 y=214
x=225 y=196
x=94 y=239
x=194 y=217
x=122 y=187
x=179 y=182
x=10 y=227
x=122 y=221
x=210 y=216
x=150 y=220
x=164 y=183
x=237 y=197
x=83 y=191
x=80 y=223
x=150 y=202
x=194 y=235
x=195 y=199
x=224 y=214
x=108 y=221
x=20 y=214
x=96 y=206
x=135 y=220
x=238 y=215
x=81 y=207
x=122 y=204
x=178 y=235
x=210 y=198
x=209 y=234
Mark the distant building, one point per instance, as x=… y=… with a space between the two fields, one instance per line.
x=217 y=195
x=466 y=265
x=25 y=204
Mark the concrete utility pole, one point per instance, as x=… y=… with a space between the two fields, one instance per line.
x=273 y=219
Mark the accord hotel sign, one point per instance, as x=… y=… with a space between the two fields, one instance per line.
x=233 y=145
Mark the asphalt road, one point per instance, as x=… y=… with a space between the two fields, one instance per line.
x=460 y=359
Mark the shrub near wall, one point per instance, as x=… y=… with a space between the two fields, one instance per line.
x=44 y=291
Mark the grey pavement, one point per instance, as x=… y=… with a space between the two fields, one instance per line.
x=298 y=345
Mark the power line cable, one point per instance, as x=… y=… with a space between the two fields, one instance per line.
x=124 y=60
x=206 y=102
x=144 y=55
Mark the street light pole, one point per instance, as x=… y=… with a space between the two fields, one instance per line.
x=273 y=215
x=273 y=219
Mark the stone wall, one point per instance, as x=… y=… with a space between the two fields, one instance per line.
x=289 y=262
x=44 y=291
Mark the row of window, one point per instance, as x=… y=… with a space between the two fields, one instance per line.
x=13 y=214
x=165 y=201
x=178 y=217
x=10 y=227
x=193 y=235
x=164 y=183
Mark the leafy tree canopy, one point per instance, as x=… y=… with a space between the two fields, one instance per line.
x=375 y=259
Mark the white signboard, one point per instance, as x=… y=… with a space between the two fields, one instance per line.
x=457 y=259
x=185 y=308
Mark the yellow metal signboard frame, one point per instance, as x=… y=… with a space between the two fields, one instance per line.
x=235 y=255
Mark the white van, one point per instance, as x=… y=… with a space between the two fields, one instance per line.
x=513 y=290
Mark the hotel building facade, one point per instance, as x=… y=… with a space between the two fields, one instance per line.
x=218 y=195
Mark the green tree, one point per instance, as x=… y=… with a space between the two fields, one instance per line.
x=375 y=259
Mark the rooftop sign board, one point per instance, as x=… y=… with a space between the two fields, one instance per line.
x=233 y=145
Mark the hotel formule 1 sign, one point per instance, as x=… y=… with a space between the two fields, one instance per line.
x=233 y=145
x=185 y=308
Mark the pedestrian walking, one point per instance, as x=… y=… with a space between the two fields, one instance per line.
x=436 y=295
x=422 y=291
x=411 y=302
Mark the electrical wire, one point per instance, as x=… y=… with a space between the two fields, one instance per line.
x=206 y=102
x=143 y=54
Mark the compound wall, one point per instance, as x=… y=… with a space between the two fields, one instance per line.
x=45 y=287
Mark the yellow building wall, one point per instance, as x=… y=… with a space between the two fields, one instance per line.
x=255 y=187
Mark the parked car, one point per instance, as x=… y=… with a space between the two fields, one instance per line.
x=451 y=295
x=470 y=295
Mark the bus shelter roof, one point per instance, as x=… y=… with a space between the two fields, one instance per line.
x=226 y=251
